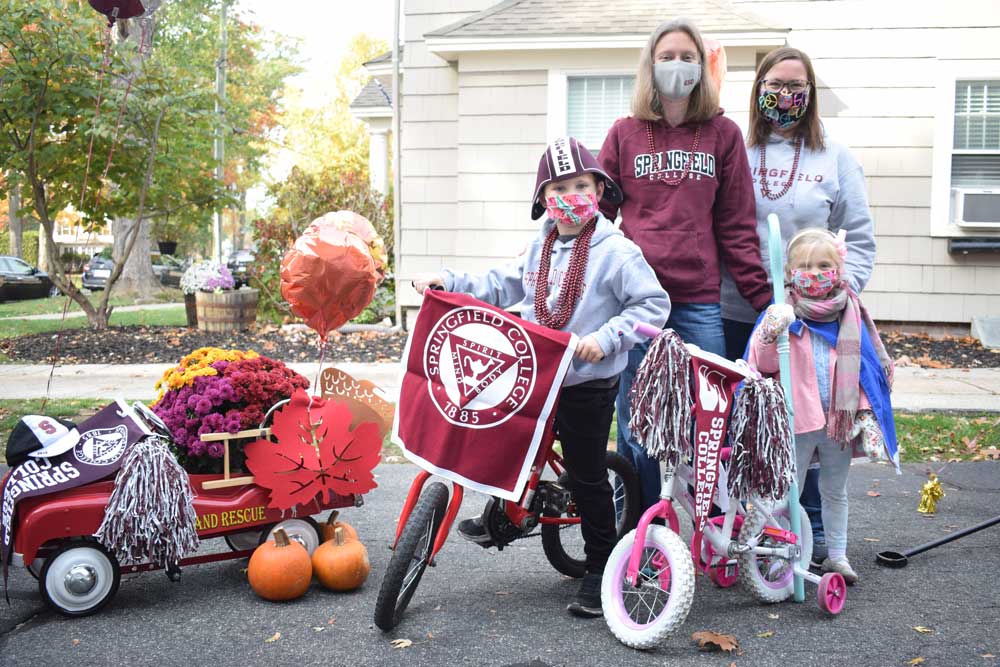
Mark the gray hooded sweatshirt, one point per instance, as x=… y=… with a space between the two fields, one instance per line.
x=619 y=290
x=829 y=191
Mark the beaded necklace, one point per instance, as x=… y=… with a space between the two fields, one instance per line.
x=572 y=283
x=687 y=163
x=765 y=191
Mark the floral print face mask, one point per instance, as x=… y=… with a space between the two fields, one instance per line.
x=815 y=283
x=572 y=209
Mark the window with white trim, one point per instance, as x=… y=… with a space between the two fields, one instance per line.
x=593 y=104
x=975 y=157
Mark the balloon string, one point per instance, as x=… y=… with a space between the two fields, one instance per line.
x=97 y=112
x=319 y=370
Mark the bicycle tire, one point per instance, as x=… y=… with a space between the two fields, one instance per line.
x=624 y=605
x=758 y=573
x=415 y=543
x=552 y=534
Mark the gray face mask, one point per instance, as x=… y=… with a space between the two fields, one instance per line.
x=675 y=79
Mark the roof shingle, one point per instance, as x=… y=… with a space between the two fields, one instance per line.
x=374 y=94
x=599 y=17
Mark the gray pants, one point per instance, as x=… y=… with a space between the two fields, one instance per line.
x=835 y=462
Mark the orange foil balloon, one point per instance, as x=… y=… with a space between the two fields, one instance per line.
x=350 y=221
x=329 y=275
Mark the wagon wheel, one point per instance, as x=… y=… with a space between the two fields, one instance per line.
x=79 y=578
x=248 y=539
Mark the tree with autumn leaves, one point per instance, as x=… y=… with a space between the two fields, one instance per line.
x=149 y=139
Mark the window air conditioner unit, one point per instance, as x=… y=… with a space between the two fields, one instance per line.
x=976 y=207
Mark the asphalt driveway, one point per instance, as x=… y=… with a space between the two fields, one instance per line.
x=485 y=608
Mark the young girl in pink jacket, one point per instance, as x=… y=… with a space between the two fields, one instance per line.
x=840 y=377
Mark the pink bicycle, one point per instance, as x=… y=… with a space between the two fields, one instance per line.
x=649 y=580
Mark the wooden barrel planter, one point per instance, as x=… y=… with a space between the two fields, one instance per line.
x=191 y=310
x=230 y=310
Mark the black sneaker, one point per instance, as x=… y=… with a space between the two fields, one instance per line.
x=474 y=531
x=588 y=599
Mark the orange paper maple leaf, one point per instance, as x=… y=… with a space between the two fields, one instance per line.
x=316 y=452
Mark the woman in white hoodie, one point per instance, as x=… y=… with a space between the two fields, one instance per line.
x=808 y=180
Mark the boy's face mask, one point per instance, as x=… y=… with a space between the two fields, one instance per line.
x=815 y=283
x=572 y=209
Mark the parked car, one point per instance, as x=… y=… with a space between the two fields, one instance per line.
x=238 y=264
x=168 y=269
x=20 y=280
x=97 y=271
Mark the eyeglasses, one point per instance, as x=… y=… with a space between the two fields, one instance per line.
x=777 y=85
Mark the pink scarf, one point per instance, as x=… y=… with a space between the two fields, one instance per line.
x=842 y=304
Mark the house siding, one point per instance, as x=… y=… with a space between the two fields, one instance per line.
x=876 y=65
x=429 y=128
x=472 y=132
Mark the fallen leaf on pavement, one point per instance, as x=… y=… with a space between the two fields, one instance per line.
x=987 y=655
x=766 y=634
x=915 y=661
x=922 y=629
x=874 y=494
x=76 y=642
x=333 y=619
x=438 y=608
x=872 y=539
x=773 y=616
x=318 y=628
x=430 y=635
x=710 y=641
x=273 y=638
x=401 y=643
x=503 y=593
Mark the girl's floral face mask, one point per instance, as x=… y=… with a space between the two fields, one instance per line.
x=815 y=283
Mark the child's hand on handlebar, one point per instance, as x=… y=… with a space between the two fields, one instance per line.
x=776 y=320
x=427 y=280
x=588 y=349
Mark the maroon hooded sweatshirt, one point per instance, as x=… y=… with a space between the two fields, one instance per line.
x=684 y=230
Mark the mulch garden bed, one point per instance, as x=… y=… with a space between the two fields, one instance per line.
x=136 y=345
x=947 y=352
x=141 y=345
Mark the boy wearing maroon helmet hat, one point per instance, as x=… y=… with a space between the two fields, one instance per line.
x=580 y=274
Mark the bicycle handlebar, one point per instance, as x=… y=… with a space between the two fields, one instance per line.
x=647 y=330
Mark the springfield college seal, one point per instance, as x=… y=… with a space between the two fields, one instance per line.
x=480 y=367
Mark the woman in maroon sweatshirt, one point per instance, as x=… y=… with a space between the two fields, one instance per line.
x=689 y=202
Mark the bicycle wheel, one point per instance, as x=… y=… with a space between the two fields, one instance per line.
x=770 y=578
x=410 y=558
x=642 y=616
x=563 y=544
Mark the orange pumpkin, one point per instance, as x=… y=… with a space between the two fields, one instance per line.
x=331 y=526
x=280 y=570
x=341 y=564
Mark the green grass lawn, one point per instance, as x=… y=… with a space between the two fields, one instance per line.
x=55 y=304
x=944 y=437
x=74 y=409
x=165 y=317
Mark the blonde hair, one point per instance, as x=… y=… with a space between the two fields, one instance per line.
x=812 y=241
x=703 y=104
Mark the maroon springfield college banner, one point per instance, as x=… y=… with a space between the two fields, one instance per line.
x=477 y=391
x=715 y=381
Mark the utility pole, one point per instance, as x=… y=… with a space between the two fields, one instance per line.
x=220 y=140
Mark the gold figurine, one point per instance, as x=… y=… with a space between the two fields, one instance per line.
x=930 y=494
